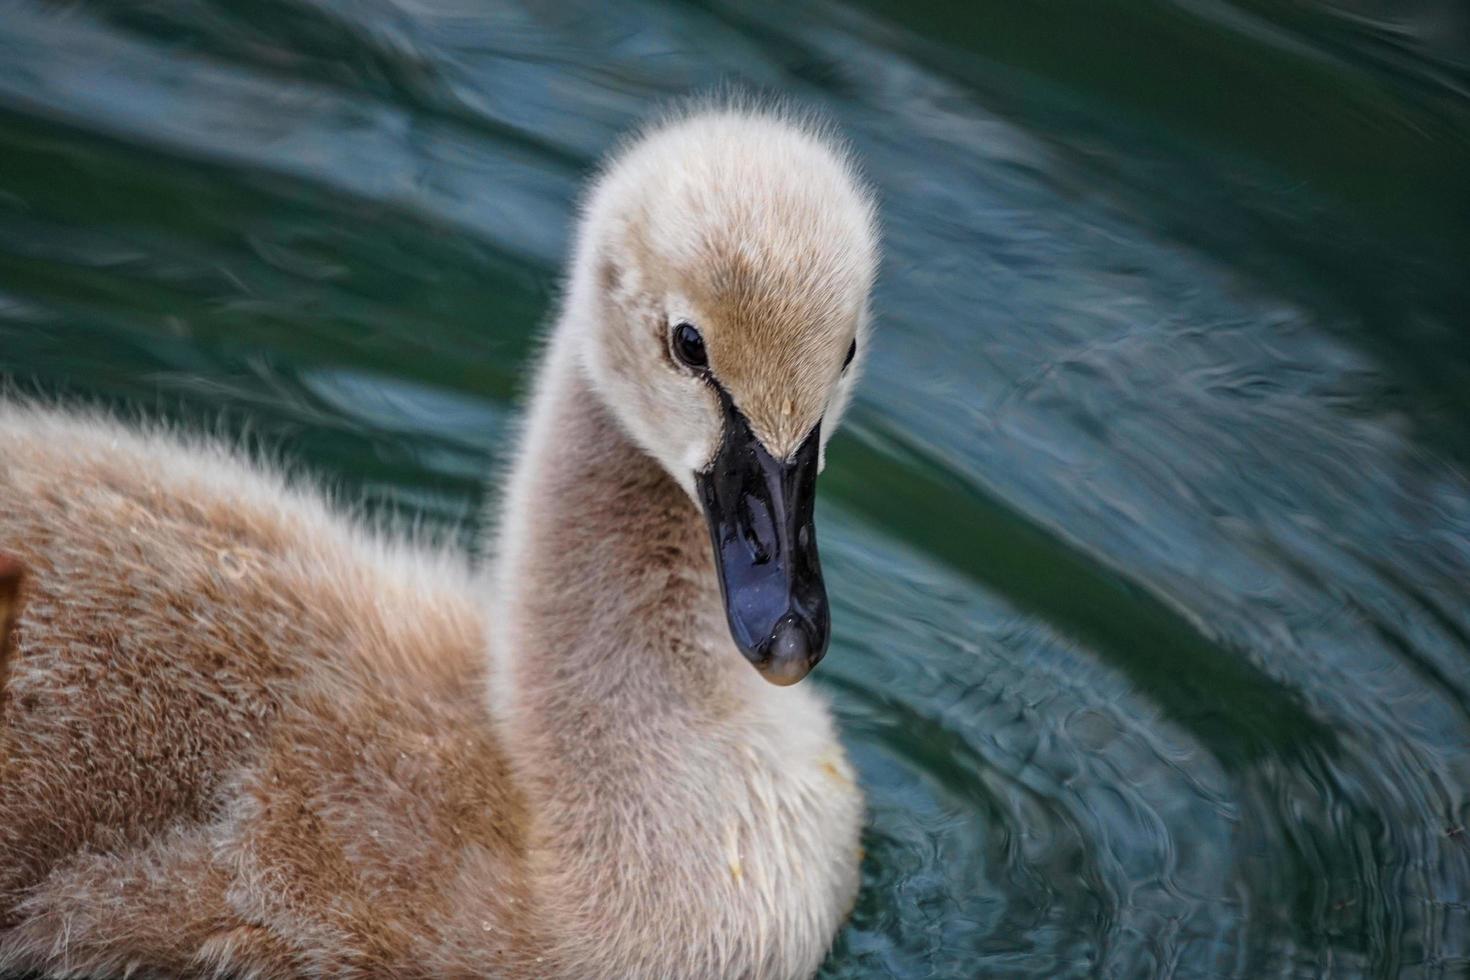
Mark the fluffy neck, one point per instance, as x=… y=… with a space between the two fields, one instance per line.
x=609 y=631
x=687 y=818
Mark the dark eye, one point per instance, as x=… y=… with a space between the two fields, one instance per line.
x=689 y=347
x=851 y=353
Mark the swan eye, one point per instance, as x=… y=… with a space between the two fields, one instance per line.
x=689 y=347
x=851 y=353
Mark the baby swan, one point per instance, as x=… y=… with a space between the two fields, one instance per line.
x=243 y=736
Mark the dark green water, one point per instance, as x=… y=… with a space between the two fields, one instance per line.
x=1149 y=538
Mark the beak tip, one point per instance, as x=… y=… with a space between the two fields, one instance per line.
x=790 y=654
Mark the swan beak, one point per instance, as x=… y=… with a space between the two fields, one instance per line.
x=760 y=519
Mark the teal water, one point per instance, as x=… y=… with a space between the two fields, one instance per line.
x=1149 y=537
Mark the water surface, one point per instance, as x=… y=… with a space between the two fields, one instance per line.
x=1149 y=538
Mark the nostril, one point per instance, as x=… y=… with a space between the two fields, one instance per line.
x=758 y=529
x=758 y=553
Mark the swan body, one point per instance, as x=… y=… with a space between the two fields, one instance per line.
x=242 y=734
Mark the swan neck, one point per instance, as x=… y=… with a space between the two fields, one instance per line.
x=606 y=582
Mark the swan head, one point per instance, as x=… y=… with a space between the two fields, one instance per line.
x=723 y=270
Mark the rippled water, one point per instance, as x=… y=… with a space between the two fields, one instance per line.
x=1149 y=538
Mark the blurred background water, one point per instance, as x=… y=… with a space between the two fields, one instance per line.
x=1149 y=538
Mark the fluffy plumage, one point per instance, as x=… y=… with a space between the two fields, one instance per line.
x=11 y=575
x=243 y=735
